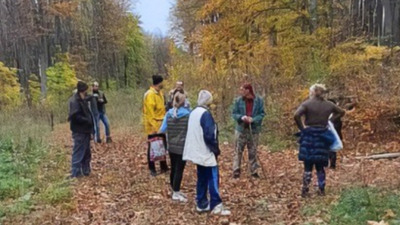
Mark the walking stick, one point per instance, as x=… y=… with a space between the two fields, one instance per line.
x=252 y=140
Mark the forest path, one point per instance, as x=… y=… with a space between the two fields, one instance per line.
x=121 y=191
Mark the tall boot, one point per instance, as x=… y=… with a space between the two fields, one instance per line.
x=306 y=184
x=321 y=182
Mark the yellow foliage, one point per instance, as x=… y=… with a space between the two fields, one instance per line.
x=10 y=88
x=375 y=52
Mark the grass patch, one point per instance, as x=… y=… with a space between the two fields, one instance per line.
x=355 y=206
x=124 y=109
x=56 y=193
x=274 y=142
x=358 y=205
x=18 y=163
x=31 y=171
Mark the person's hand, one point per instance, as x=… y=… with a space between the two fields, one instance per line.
x=249 y=119
x=101 y=100
x=244 y=118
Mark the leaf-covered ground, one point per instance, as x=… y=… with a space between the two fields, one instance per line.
x=121 y=191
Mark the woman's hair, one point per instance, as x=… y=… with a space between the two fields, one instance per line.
x=179 y=101
x=317 y=90
x=178 y=91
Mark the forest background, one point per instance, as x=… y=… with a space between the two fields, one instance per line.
x=280 y=46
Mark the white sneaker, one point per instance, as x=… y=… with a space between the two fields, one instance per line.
x=180 y=193
x=221 y=210
x=176 y=196
x=203 y=210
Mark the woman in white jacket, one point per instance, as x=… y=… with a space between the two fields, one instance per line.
x=201 y=148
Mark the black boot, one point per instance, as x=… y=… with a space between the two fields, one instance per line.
x=108 y=140
x=236 y=174
x=306 y=184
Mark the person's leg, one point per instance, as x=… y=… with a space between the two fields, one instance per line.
x=201 y=187
x=180 y=167
x=173 y=158
x=152 y=167
x=307 y=175
x=321 y=177
x=252 y=144
x=332 y=159
x=163 y=166
x=213 y=185
x=88 y=156
x=78 y=154
x=106 y=123
x=238 y=154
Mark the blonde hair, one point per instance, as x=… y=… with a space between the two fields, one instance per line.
x=317 y=90
x=179 y=101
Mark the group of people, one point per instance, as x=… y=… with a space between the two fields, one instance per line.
x=86 y=111
x=192 y=135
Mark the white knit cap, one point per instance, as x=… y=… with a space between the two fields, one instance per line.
x=205 y=98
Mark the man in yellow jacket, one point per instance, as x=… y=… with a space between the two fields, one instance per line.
x=153 y=115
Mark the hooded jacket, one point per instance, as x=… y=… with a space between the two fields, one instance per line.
x=153 y=110
x=176 y=128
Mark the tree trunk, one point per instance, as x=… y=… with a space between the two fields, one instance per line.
x=313 y=10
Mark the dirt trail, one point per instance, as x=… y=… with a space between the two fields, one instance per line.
x=121 y=191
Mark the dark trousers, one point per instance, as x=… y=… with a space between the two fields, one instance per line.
x=207 y=181
x=152 y=166
x=332 y=159
x=81 y=155
x=177 y=168
x=308 y=168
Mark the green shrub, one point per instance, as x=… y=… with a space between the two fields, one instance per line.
x=29 y=167
x=358 y=205
x=18 y=163
x=57 y=193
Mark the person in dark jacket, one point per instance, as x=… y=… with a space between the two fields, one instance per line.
x=315 y=138
x=81 y=121
x=101 y=102
x=248 y=113
x=175 y=124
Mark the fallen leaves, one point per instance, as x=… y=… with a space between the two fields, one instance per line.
x=377 y=223
x=121 y=191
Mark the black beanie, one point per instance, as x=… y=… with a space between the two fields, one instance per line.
x=82 y=86
x=157 y=79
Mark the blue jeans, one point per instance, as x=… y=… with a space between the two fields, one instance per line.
x=81 y=155
x=207 y=180
x=102 y=117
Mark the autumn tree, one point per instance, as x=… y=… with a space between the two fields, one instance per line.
x=9 y=95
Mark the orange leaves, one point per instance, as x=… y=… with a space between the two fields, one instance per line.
x=64 y=9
